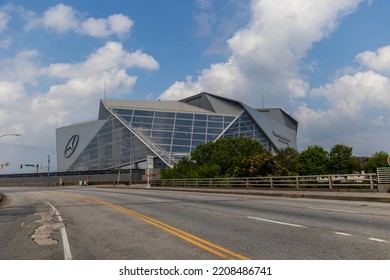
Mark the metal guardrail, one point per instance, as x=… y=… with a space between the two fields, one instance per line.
x=383 y=175
x=344 y=181
x=122 y=178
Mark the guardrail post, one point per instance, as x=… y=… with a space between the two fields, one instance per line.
x=247 y=182
x=211 y=183
x=271 y=182
x=297 y=181
x=371 y=182
x=330 y=182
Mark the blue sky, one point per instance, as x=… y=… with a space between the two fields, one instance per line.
x=327 y=63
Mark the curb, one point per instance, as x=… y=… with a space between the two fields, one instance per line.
x=347 y=196
x=312 y=194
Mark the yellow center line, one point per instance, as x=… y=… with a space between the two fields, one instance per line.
x=202 y=243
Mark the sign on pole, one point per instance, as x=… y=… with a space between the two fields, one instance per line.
x=150 y=162
x=150 y=165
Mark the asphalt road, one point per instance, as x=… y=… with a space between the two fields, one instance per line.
x=90 y=223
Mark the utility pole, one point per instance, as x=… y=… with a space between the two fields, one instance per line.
x=48 y=169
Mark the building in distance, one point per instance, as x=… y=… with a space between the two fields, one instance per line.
x=128 y=132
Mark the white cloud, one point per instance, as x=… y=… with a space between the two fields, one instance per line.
x=20 y=69
x=205 y=18
x=351 y=92
x=60 y=18
x=5 y=41
x=357 y=107
x=111 y=56
x=10 y=92
x=267 y=53
x=72 y=97
x=181 y=90
x=64 y=18
x=117 y=24
x=378 y=60
x=96 y=27
x=4 y=19
x=120 y=24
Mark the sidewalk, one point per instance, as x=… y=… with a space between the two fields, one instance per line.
x=370 y=196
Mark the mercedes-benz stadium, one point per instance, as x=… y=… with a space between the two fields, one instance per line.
x=157 y=134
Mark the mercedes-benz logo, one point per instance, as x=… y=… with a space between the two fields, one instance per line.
x=71 y=146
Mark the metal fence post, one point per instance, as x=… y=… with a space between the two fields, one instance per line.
x=297 y=181
x=271 y=182
x=371 y=182
x=330 y=181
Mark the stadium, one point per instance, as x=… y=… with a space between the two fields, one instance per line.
x=133 y=134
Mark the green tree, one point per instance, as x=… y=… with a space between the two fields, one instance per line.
x=378 y=159
x=209 y=171
x=260 y=164
x=288 y=158
x=313 y=161
x=183 y=169
x=341 y=160
x=227 y=153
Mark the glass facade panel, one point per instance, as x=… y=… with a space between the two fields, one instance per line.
x=182 y=135
x=214 y=118
x=197 y=142
x=214 y=130
x=246 y=127
x=161 y=134
x=181 y=151
x=182 y=142
x=143 y=113
x=165 y=115
x=163 y=127
x=184 y=122
x=164 y=121
x=215 y=125
x=184 y=116
x=183 y=128
x=123 y=111
x=198 y=136
x=199 y=129
x=112 y=146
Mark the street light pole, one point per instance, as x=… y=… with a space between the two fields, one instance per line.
x=10 y=134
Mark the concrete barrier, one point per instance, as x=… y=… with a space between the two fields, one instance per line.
x=384 y=188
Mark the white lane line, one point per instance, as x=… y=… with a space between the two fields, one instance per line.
x=377 y=240
x=155 y=200
x=337 y=210
x=342 y=233
x=276 y=222
x=64 y=236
